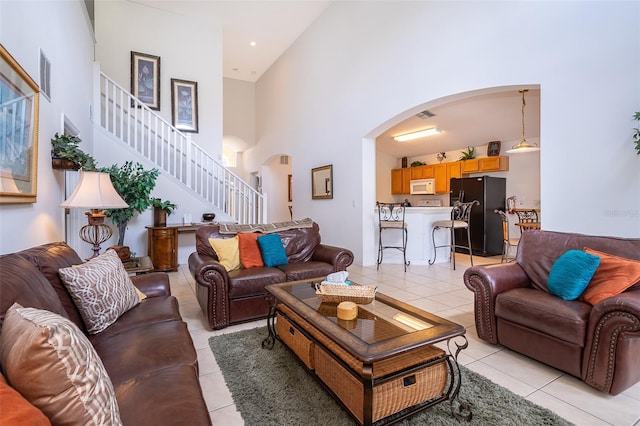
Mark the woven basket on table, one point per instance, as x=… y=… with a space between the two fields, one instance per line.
x=336 y=293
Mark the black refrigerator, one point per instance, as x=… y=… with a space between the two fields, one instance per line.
x=486 y=226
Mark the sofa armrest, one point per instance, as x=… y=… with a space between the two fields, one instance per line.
x=487 y=282
x=153 y=284
x=212 y=287
x=339 y=257
x=610 y=355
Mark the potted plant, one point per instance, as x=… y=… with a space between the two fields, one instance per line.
x=469 y=154
x=161 y=209
x=636 y=133
x=66 y=155
x=134 y=184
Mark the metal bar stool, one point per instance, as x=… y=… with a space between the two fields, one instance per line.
x=507 y=242
x=391 y=217
x=460 y=215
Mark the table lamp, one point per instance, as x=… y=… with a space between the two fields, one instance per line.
x=95 y=191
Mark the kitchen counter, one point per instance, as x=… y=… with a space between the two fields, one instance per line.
x=419 y=245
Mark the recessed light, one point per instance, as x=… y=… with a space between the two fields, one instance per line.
x=252 y=44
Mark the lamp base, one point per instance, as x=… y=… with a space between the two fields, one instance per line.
x=95 y=234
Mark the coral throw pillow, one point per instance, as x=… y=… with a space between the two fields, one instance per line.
x=52 y=364
x=571 y=273
x=614 y=275
x=228 y=252
x=17 y=411
x=250 y=256
x=101 y=289
x=272 y=249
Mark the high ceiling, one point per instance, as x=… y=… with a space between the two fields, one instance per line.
x=275 y=25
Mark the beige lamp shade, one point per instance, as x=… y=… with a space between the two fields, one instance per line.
x=95 y=191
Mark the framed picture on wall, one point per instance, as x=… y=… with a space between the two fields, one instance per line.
x=19 y=97
x=184 y=105
x=493 y=149
x=145 y=79
x=290 y=189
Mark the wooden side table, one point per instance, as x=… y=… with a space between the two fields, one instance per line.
x=163 y=247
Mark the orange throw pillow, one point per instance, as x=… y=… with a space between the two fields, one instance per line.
x=614 y=275
x=16 y=410
x=250 y=255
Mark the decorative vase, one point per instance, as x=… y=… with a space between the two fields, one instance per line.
x=159 y=217
x=64 y=164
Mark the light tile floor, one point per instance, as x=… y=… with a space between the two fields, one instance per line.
x=440 y=290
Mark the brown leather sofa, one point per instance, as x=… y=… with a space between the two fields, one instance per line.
x=148 y=352
x=598 y=344
x=239 y=296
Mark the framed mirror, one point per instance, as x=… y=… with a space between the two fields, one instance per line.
x=322 y=182
x=19 y=97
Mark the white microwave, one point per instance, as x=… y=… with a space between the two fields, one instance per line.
x=422 y=186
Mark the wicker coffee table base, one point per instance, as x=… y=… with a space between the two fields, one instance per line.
x=374 y=393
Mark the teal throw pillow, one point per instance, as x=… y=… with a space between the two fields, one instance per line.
x=272 y=250
x=571 y=273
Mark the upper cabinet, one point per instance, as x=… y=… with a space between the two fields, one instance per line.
x=400 y=181
x=422 y=172
x=494 y=164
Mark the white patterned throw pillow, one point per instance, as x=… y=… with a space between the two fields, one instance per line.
x=51 y=363
x=101 y=289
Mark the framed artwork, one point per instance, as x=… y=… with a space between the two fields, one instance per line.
x=322 y=182
x=290 y=189
x=145 y=79
x=19 y=97
x=184 y=105
x=493 y=149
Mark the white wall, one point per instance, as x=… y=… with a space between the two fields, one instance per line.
x=25 y=28
x=188 y=49
x=274 y=177
x=240 y=110
x=363 y=63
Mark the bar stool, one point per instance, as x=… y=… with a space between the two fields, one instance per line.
x=460 y=215
x=507 y=242
x=391 y=218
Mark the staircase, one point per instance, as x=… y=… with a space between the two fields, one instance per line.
x=171 y=151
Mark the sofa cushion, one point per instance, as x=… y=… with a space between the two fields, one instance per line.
x=614 y=275
x=52 y=364
x=571 y=273
x=228 y=252
x=23 y=283
x=16 y=410
x=272 y=250
x=252 y=281
x=102 y=290
x=306 y=270
x=548 y=314
x=250 y=255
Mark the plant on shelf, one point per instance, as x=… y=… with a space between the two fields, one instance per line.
x=65 y=154
x=418 y=163
x=636 y=133
x=469 y=154
x=134 y=184
x=161 y=209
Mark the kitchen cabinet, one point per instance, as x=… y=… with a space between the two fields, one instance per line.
x=163 y=247
x=422 y=172
x=444 y=172
x=400 y=181
x=470 y=166
x=494 y=164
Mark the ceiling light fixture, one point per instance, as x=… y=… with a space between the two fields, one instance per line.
x=417 y=135
x=252 y=44
x=523 y=146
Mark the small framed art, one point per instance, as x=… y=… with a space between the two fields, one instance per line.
x=145 y=79
x=493 y=149
x=184 y=105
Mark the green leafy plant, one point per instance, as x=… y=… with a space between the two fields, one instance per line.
x=469 y=154
x=65 y=147
x=165 y=205
x=418 y=163
x=636 y=133
x=134 y=184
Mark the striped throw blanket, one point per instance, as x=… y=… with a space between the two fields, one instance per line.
x=265 y=228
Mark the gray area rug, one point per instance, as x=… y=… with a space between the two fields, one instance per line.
x=271 y=387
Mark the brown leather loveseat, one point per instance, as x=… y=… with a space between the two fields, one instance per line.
x=598 y=344
x=148 y=353
x=239 y=295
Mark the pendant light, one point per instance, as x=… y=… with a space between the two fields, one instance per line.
x=523 y=146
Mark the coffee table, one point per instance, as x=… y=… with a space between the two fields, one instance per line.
x=382 y=366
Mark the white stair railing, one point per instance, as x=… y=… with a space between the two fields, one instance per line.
x=135 y=124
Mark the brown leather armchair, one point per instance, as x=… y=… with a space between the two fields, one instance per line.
x=598 y=344
x=238 y=296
